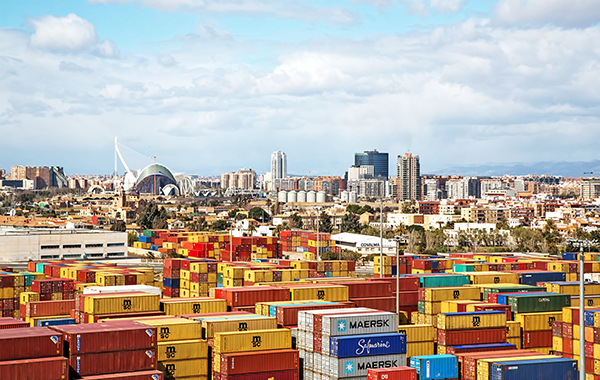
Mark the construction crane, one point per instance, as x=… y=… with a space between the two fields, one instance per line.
x=154 y=189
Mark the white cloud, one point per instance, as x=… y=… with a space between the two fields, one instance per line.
x=166 y=60
x=572 y=13
x=447 y=5
x=107 y=48
x=70 y=33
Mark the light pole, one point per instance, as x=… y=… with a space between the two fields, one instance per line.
x=581 y=243
x=381 y=238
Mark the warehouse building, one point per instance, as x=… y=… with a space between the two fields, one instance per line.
x=363 y=244
x=19 y=245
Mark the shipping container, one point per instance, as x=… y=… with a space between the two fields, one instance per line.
x=538 y=321
x=356 y=324
x=397 y=373
x=468 y=361
x=417 y=333
x=30 y=343
x=355 y=367
x=537 y=303
x=455 y=350
x=472 y=336
x=532 y=278
x=173 y=329
x=114 y=303
x=288 y=315
x=180 y=369
x=259 y=361
x=444 y=281
x=196 y=305
x=367 y=345
x=435 y=366
x=483 y=365
x=182 y=350
x=259 y=340
x=54 y=368
x=556 y=368
x=138 y=375
x=456 y=293
x=212 y=326
x=113 y=362
x=277 y=375
x=49 y=308
x=420 y=348
x=472 y=320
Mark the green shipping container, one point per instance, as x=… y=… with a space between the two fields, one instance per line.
x=534 y=303
x=512 y=289
x=219 y=278
x=149 y=233
x=421 y=307
x=459 y=268
x=443 y=281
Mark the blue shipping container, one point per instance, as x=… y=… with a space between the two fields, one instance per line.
x=550 y=369
x=170 y=282
x=435 y=367
x=532 y=278
x=588 y=315
x=56 y=322
x=569 y=255
x=351 y=346
x=145 y=239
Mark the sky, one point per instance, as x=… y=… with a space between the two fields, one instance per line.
x=211 y=86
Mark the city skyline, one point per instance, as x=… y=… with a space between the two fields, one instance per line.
x=221 y=85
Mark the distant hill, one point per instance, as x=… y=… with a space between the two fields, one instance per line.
x=563 y=168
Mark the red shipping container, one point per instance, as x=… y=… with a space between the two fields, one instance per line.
x=397 y=373
x=6 y=281
x=497 y=307
x=250 y=296
x=557 y=328
x=567 y=330
x=379 y=303
x=30 y=343
x=54 y=368
x=408 y=298
x=113 y=362
x=112 y=336
x=259 y=361
x=142 y=375
x=49 y=308
x=171 y=292
x=473 y=336
x=364 y=289
x=171 y=273
x=567 y=345
x=11 y=323
x=279 y=375
x=288 y=315
x=42 y=286
x=86 y=276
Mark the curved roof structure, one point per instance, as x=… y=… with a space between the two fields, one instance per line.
x=154 y=174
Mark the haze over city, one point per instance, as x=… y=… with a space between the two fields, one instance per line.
x=219 y=85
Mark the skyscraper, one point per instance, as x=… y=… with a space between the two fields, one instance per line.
x=278 y=165
x=378 y=160
x=409 y=177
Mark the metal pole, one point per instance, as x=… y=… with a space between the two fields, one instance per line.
x=381 y=238
x=397 y=278
x=581 y=316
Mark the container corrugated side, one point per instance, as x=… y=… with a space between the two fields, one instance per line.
x=306 y=318
x=367 y=345
x=325 y=293
x=138 y=375
x=417 y=333
x=170 y=329
x=260 y=361
x=197 y=305
x=28 y=343
x=471 y=336
x=483 y=365
x=107 y=303
x=435 y=366
x=113 y=362
x=177 y=369
x=536 y=303
x=211 y=326
x=182 y=350
x=538 y=321
x=471 y=320
x=455 y=293
x=556 y=368
x=259 y=340
x=355 y=367
x=55 y=368
x=356 y=324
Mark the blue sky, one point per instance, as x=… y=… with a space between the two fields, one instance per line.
x=220 y=85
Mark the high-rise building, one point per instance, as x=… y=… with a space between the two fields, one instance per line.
x=43 y=176
x=278 y=165
x=379 y=161
x=409 y=177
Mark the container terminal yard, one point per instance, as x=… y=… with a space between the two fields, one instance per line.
x=233 y=308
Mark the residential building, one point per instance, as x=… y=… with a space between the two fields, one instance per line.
x=43 y=176
x=244 y=179
x=409 y=175
x=590 y=188
x=278 y=165
x=379 y=161
x=463 y=188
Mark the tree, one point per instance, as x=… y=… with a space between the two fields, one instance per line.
x=295 y=220
x=131 y=238
x=198 y=224
x=355 y=209
x=152 y=217
x=409 y=207
x=220 y=225
x=119 y=225
x=257 y=213
x=233 y=213
x=366 y=208
x=325 y=224
x=279 y=228
x=350 y=223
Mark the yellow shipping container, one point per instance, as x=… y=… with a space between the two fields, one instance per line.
x=181 y=306
x=542 y=350
x=210 y=327
x=433 y=307
x=173 y=329
x=441 y=350
x=199 y=267
x=25 y=297
x=589 y=302
x=182 y=369
x=483 y=365
x=183 y=349
x=573 y=289
x=452 y=306
x=493 y=278
x=538 y=321
x=235 y=272
x=479 y=320
x=121 y=303
x=328 y=293
x=513 y=329
x=418 y=333
x=232 y=283
x=427 y=319
x=452 y=293
x=7 y=293
x=557 y=343
x=276 y=339
x=419 y=349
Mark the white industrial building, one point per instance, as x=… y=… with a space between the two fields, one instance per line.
x=19 y=245
x=363 y=244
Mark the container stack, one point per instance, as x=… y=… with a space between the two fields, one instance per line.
x=115 y=349
x=171 y=277
x=430 y=300
x=420 y=339
x=32 y=353
x=470 y=328
x=90 y=308
x=48 y=313
x=345 y=343
x=306 y=242
x=229 y=344
x=245 y=298
x=194 y=305
x=372 y=294
x=565 y=336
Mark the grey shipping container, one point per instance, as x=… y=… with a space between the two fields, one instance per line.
x=357 y=324
x=353 y=367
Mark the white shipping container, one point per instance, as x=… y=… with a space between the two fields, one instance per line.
x=358 y=324
x=325 y=344
x=122 y=289
x=318 y=361
x=354 y=367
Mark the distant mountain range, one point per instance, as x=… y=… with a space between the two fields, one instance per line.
x=565 y=169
